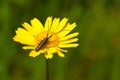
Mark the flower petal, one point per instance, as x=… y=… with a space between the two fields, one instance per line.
x=70 y=36
x=69 y=41
x=52 y=50
x=55 y=24
x=28 y=28
x=24 y=37
x=68 y=45
x=62 y=24
x=67 y=30
x=60 y=54
x=33 y=53
x=37 y=26
x=48 y=54
x=48 y=23
x=28 y=47
x=59 y=49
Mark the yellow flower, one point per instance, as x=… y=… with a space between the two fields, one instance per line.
x=47 y=39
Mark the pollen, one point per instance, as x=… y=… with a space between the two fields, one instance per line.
x=53 y=39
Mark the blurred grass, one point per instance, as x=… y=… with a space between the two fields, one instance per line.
x=97 y=57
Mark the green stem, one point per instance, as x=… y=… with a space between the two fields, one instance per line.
x=47 y=69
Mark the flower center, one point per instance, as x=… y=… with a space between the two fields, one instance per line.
x=53 y=39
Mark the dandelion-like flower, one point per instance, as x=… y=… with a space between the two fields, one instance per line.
x=48 y=39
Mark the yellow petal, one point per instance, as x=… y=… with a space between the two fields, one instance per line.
x=70 y=27
x=33 y=53
x=52 y=50
x=37 y=25
x=68 y=45
x=48 y=54
x=28 y=47
x=28 y=28
x=59 y=49
x=62 y=24
x=24 y=37
x=60 y=54
x=70 y=36
x=67 y=30
x=55 y=24
x=69 y=41
x=48 y=23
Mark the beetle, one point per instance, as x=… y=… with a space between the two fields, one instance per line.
x=42 y=43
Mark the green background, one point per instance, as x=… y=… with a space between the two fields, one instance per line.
x=96 y=58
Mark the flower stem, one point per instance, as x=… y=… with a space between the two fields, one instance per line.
x=47 y=69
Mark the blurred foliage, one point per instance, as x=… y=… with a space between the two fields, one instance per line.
x=97 y=57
